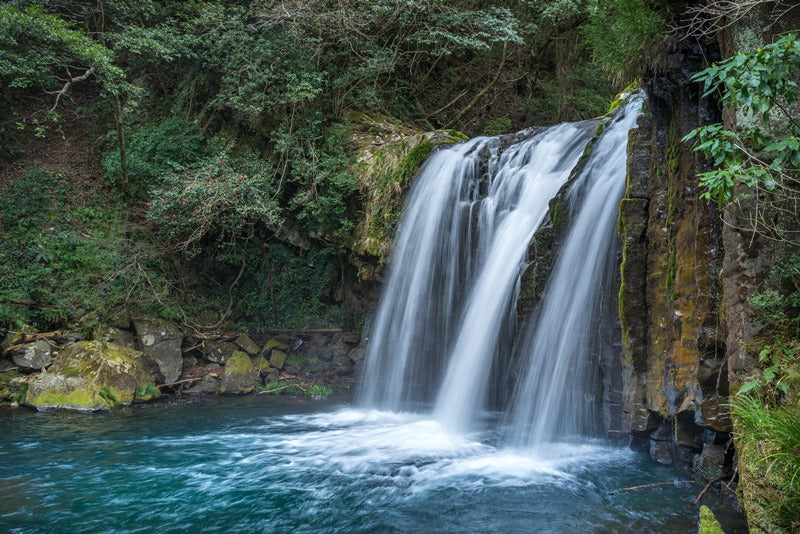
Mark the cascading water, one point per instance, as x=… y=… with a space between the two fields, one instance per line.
x=452 y=286
x=555 y=397
x=421 y=294
x=530 y=174
x=458 y=257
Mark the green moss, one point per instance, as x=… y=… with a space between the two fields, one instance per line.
x=411 y=163
x=82 y=397
x=672 y=269
x=599 y=128
x=239 y=363
x=19 y=395
x=274 y=343
x=558 y=213
x=108 y=396
x=708 y=523
x=455 y=137
x=146 y=392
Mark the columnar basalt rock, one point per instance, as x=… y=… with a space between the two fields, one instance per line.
x=673 y=335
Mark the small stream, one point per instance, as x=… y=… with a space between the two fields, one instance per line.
x=267 y=464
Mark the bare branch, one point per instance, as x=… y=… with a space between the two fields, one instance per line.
x=70 y=80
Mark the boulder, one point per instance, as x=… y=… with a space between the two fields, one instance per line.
x=117 y=336
x=161 y=341
x=263 y=366
x=33 y=356
x=247 y=344
x=92 y=375
x=207 y=385
x=14 y=337
x=272 y=345
x=240 y=375
x=277 y=359
x=710 y=464
x=218 y=351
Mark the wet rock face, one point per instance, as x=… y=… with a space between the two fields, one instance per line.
x=92 y=375
x=674 y=367
x=161 y=341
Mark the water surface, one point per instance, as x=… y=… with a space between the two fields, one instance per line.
x=264 y=464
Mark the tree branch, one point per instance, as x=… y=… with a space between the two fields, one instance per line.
x=69 y=82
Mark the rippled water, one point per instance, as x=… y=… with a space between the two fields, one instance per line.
x=259 y=464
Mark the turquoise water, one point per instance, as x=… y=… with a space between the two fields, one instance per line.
x=264 y=464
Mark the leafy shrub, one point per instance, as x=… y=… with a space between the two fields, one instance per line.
x=217 y=199
x=58 y=247
x=325 y=186
x=152 y=150
x=764 y=154
x=625 y=35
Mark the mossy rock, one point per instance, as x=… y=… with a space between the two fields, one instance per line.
x=272 y=345
x=294 y=364
x=277 y=359
x=92 y=375
x=708 y=524
x=247 y=344
x=388 y=155
x=240 y=375
x=13 y=386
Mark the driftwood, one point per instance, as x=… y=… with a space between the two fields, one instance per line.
x=179 y=382
x=708 y=486
x=29 y=337
x=645 y=486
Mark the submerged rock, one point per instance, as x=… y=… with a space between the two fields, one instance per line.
x=240 y=375
x=161 y=341
x=92 y=375
x=33 y=356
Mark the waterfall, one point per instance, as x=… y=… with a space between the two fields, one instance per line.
x=421 y=295
x=555 y=397
x=529 y=175
x=446 y=311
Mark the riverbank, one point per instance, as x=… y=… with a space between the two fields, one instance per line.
x=140 y=359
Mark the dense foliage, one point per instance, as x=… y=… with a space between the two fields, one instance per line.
x=228 y=124
x=763 y=152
